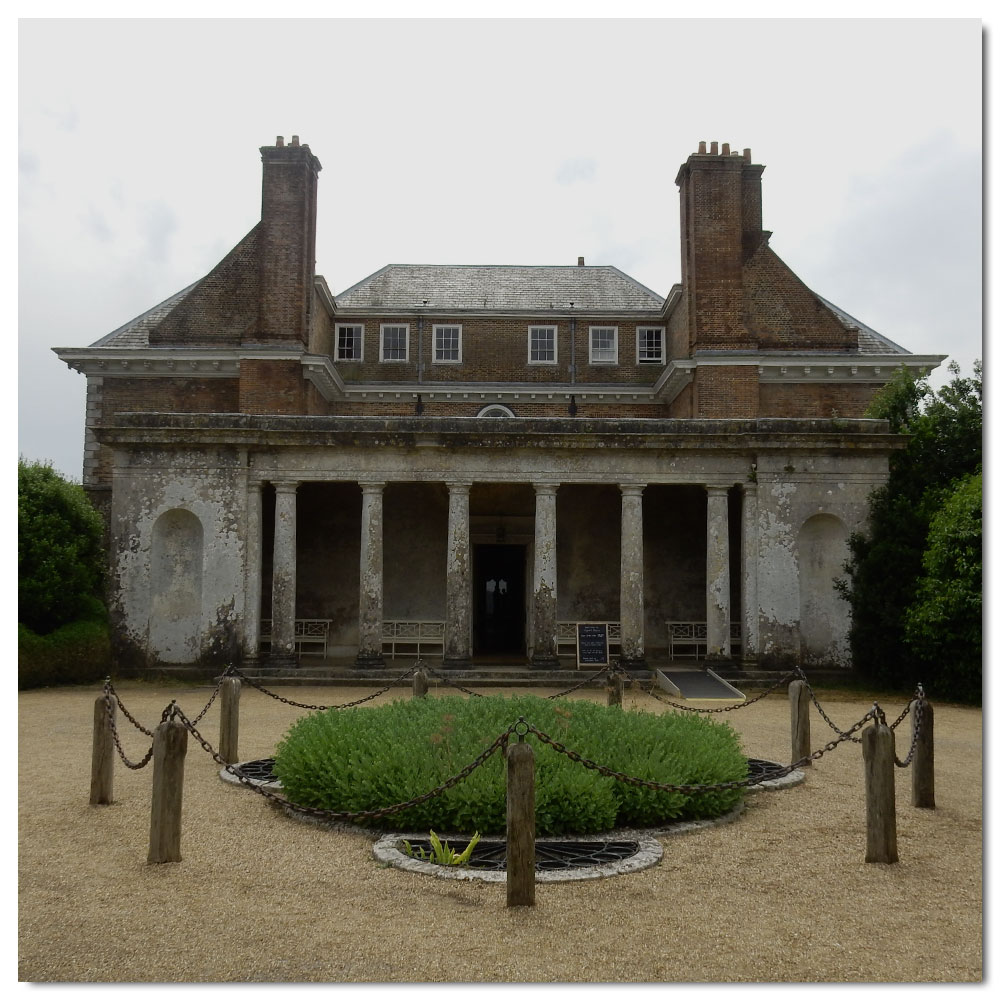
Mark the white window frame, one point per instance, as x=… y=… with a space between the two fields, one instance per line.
x=405 y=327
x=638 y=343
x=360 y=341
x=446 y=326
x=604 y=361
x=554 y=360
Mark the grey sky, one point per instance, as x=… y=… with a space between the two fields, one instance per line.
x=507 y=142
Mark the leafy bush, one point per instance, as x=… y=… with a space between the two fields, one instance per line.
x=888 y=559
x=59 y=549
x=73 y=654
x=357 y=759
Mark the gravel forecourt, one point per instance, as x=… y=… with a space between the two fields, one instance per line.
x=780 y=895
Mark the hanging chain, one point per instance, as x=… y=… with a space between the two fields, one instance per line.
x=321 y=708
x=583 y=683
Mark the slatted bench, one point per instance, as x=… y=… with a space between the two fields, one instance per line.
x=690 y=639
x=311 y=635
x=412 y=635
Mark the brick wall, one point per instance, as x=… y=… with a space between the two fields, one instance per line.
x=800 y=400
x=726 y=391
x=271 y=387
x=496 y=350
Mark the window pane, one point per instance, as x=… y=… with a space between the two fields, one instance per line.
x=543 y=344
x=394 y=343
x=447 y=343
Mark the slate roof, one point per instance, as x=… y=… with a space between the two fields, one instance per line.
x=869 y=341
x=135 y=333
x=500 y=287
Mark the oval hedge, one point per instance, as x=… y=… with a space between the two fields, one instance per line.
x=351 y=760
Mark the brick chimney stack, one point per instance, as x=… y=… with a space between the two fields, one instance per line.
x=287 y=242
x=720 y=228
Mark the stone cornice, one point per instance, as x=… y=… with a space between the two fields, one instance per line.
x=152 y=362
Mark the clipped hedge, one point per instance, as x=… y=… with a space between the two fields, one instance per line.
x=77 y=653
x=365 y=758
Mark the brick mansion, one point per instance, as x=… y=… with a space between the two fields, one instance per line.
x=465 y=461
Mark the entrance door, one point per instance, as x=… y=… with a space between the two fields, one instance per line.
x=498 y=616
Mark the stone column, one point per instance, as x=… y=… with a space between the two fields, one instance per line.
x=632 y=609
x=545 y=628
x=458 y=591
x=717 y=573
x=370 y=589
x=751 y=613
x=283 y=573
x=251 y=610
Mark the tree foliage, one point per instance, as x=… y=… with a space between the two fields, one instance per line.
x=886 y=573
x=59 y=550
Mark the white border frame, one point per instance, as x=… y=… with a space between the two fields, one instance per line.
x=663 y=345
x=382 y=327
x=554 y=327
x=336 y=342
x=590 y=344
x=434 y=344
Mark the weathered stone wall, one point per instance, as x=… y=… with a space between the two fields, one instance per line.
x=178 y=549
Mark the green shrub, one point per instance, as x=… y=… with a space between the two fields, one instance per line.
x=353 y=760
x=74 y=654
x=59 y=549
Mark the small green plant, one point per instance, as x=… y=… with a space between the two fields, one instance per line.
x=441 y=853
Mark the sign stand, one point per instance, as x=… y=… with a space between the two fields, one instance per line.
x=592 y=644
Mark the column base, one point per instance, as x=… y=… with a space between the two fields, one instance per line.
x=633 y=664
x=280 y=661
x=542 y=662
x=369 y=661
x=456 y=662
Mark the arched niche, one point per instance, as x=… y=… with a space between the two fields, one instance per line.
x=176 y=560
x=825 y=616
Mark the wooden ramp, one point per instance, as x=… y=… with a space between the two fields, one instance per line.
x=697 y=683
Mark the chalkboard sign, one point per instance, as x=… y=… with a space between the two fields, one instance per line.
x=592 y=644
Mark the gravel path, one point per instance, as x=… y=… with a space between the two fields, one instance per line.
x=783 y=894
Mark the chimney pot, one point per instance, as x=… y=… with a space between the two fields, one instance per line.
x=715 y=149
x=579 y=262
x=746 y=155
x=701 y=147
x=280 y=141
x=725 y=149
x=295 y=140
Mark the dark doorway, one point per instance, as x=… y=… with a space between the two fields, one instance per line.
x=498 y=617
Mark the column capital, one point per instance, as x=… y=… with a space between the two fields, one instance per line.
x=750 y=489
x=546 y=489
x=371 y=487
x=282 y=486
x=632 y=489
x=717 y=491
x=459 y=487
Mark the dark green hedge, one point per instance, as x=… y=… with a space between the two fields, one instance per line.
x=77 y=653
x=364 y=758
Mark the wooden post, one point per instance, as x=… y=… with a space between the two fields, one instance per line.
x=616 y=689
x=169 y=748
x=879 y=752
x=102 y=761
x=229 y=723
x=923 y=757
x=520 y=825
x=798 y=699
x=420 y=683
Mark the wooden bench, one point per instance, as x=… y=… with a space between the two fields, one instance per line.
x=311 y=635
x=412 y=635
x=690 y=639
